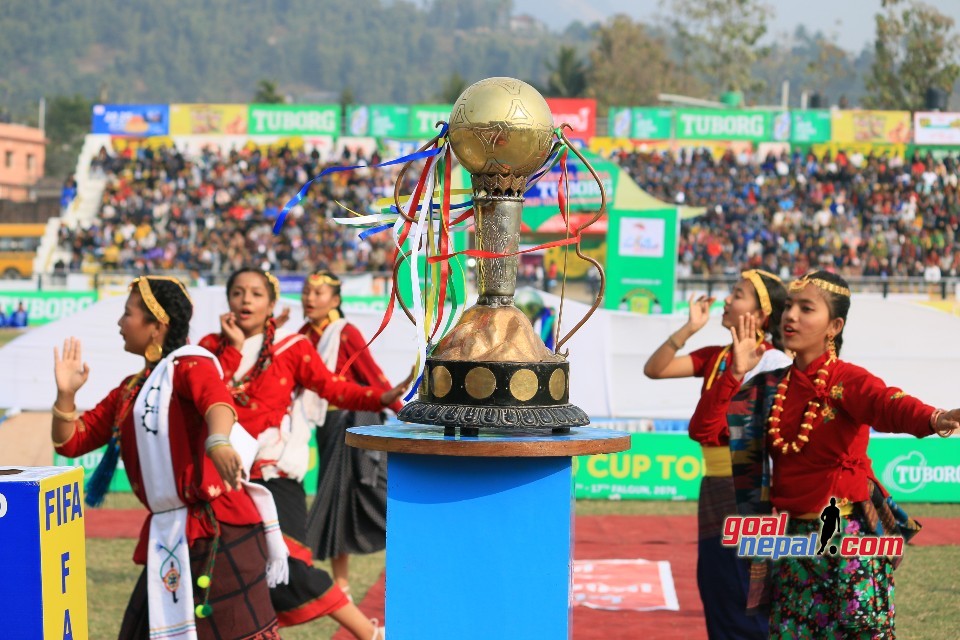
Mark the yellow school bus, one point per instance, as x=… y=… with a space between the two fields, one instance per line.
x=18 y=248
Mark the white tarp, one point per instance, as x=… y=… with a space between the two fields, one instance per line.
x=904 y=343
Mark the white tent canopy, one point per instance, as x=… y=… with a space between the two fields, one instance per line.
x=906 y=344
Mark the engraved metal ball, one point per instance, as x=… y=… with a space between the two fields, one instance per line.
x=501 y=126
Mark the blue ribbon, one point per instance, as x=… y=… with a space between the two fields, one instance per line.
x=369 y=232
x=429 y=153
x=436 y=207
x=413 y=390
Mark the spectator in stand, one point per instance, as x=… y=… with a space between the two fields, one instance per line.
x=19 y=318
x=68 y=192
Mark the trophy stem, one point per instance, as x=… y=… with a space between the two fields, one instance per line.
x=498 y=231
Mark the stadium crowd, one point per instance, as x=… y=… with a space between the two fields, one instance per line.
x=214 y=211
x=854 y=214
x=858 y=215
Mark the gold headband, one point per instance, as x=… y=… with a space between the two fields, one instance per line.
x=799 y=284
x=146 y=292
x=317 y=279
x=272 y=279
x=753 y=275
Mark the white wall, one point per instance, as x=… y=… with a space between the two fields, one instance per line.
x=904 y=343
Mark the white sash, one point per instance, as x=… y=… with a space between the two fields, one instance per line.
x=309 y=410
x=169 y=579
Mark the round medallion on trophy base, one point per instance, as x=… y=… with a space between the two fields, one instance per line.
x=497 y=395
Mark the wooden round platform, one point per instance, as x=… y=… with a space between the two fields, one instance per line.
x=490 y=443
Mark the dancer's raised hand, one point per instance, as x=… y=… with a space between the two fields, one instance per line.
x=69 y=369
x=746 y=351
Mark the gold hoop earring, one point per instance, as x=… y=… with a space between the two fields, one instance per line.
x=153 y=352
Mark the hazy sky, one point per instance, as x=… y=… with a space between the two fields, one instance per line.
x=851 y=20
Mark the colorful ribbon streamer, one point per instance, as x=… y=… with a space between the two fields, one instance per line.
x=426 y=227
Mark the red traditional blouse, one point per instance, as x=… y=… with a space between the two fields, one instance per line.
x=364 y=370
x=197 y=387
x=707 y=363
x=834 y=463
x=264 y=401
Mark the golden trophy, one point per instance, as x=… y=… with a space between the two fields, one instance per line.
x=492 y=369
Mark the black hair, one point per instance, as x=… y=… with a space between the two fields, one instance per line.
x=269 y=332
x=271 y=292
x=778 y=298
x=839 y=305
x=335 y=287
x=177 y=306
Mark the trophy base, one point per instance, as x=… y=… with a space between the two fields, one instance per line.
x=470 y=419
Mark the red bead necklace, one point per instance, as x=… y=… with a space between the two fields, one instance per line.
x=803 y=437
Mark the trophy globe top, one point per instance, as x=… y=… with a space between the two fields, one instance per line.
x=501 y=127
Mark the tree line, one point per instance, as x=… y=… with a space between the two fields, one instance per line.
x=395 y=51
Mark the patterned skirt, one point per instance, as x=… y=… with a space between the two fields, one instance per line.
x=238 y=590
x=310 y=593
x=349 y=513
x=830 y=596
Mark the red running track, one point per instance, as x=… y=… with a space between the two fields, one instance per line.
x=670 y=538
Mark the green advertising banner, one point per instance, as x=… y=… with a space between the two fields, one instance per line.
x=294 y=119
x=669 y=466
x=917 y=470
x=640 y=123
x=642 y=260
x=379 y=120
x=424 y=117
x=810 y=126
x=713 y=124
x=46 y=306
x=652 y=124
x=658 y=466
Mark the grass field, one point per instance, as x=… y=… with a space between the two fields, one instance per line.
x=6 y=335
x=927 y=582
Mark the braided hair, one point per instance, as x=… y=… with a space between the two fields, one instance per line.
x=269 y=329
x=178 y=307
x=263 y=358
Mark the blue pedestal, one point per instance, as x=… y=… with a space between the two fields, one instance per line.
x=480 y=530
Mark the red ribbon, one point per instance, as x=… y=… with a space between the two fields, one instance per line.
x=407 y=225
